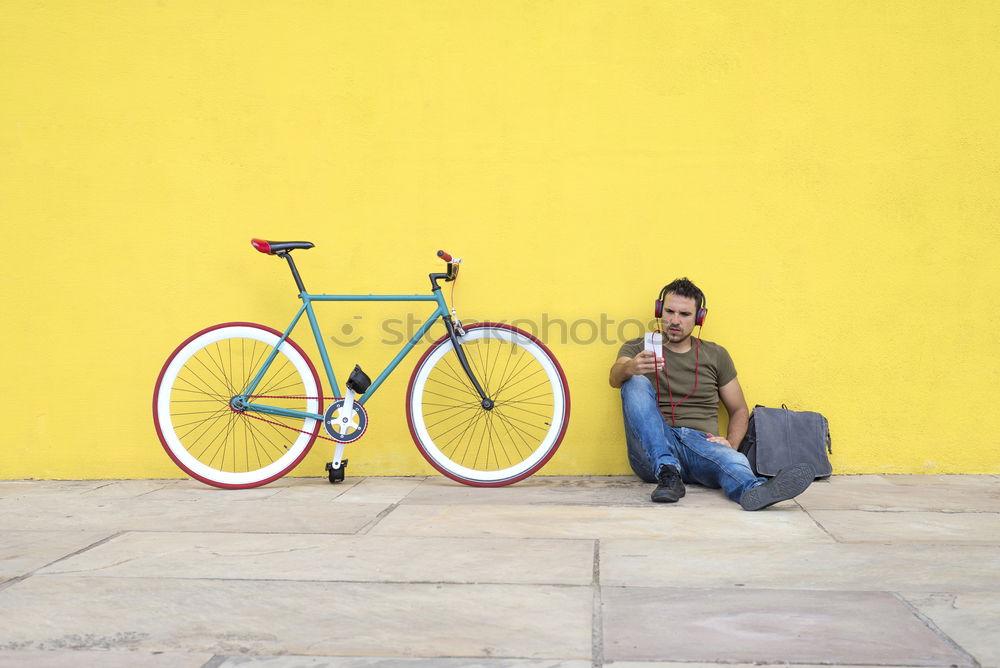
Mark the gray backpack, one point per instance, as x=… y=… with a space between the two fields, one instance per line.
x=778 y=437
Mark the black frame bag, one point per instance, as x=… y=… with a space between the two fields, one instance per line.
x=779 y=437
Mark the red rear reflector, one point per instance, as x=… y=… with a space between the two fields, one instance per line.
x=261 y=245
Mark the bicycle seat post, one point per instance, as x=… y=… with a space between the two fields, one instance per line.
x=295 y=272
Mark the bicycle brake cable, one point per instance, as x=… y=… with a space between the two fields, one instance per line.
x=456 y=323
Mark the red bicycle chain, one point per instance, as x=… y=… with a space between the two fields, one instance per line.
x=279 y=424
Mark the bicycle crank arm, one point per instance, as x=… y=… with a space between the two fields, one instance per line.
x=338 y=457
x=343 y=427
x=346 y=411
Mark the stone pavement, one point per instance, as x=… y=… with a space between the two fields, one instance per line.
x=860 y=570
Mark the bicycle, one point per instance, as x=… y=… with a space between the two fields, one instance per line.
x=240 y=404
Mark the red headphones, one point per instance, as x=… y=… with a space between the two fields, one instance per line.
x=702 y=311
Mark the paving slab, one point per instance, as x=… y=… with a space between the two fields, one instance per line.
x=380 y=490
x=650 y=521
x=676 y=664
x=382 y=662
x=858 y=526
x=769 y=626
x=555 y=490
x=317 y=490
x=351 y=619
x=945 y=479
x=395 y=571
x=60 y=488
x=784 y=565
x=102 y=659
x=284 y=489
x=238 y=511
x=905 y=492
x=22 y=552
x=970 y=619
x=311 y=557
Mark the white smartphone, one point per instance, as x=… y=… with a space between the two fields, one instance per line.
x=654 y=344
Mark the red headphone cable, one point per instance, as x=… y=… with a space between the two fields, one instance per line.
x=666 y=373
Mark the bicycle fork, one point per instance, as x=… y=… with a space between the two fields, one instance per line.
x=453 y=334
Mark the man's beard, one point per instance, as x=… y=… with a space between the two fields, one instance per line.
x=679 y=337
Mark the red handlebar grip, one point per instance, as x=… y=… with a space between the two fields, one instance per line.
x=444 y=256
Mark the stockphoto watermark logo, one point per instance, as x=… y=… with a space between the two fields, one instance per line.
x=551 y=330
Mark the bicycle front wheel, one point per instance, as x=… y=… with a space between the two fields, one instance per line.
x=512 y=440
x=201 y=430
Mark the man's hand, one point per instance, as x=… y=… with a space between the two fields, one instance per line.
x=626 y=367
x=719 y=440
x=645 y=362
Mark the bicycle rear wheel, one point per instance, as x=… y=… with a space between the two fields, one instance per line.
x=199 y=428
x=500 y=446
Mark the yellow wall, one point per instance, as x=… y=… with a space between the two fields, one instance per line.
x=826 y=171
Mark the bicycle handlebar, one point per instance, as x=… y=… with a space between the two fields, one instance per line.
x=444 y=256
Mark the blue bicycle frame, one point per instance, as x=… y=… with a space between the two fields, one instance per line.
x=307 y=307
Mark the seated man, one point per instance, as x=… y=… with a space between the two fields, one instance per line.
x=671 y=411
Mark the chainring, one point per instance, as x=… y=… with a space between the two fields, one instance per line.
x=357 y=422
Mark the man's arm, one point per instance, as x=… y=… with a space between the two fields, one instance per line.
x=739 y=415
x=626 y=367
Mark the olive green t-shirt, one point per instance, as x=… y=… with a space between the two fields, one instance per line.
x=715 y=368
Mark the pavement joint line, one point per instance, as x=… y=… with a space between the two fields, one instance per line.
x=218 y=660
x=106 y=539
x=597 y=630
x=146 y=493
x=237 y=531
x=394 y=583
x=558 y=539
x=91 y=491
x=914 y=543
x=363 y=531
x=818 y=524
x=935 y=629
x=22 y=578
x=15 y=580
x=902 y=511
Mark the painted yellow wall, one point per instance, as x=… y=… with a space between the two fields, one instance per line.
x=827 y=171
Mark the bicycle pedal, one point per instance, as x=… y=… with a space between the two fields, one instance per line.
x=336 y=474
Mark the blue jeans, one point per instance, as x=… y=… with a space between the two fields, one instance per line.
x=652 y=444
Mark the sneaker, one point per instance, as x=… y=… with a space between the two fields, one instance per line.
x=670 y=487
x=789 y=483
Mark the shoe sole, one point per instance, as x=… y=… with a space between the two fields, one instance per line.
x=666 y=498
x=788 y=484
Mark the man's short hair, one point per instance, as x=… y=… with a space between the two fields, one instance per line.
x=682 y=287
